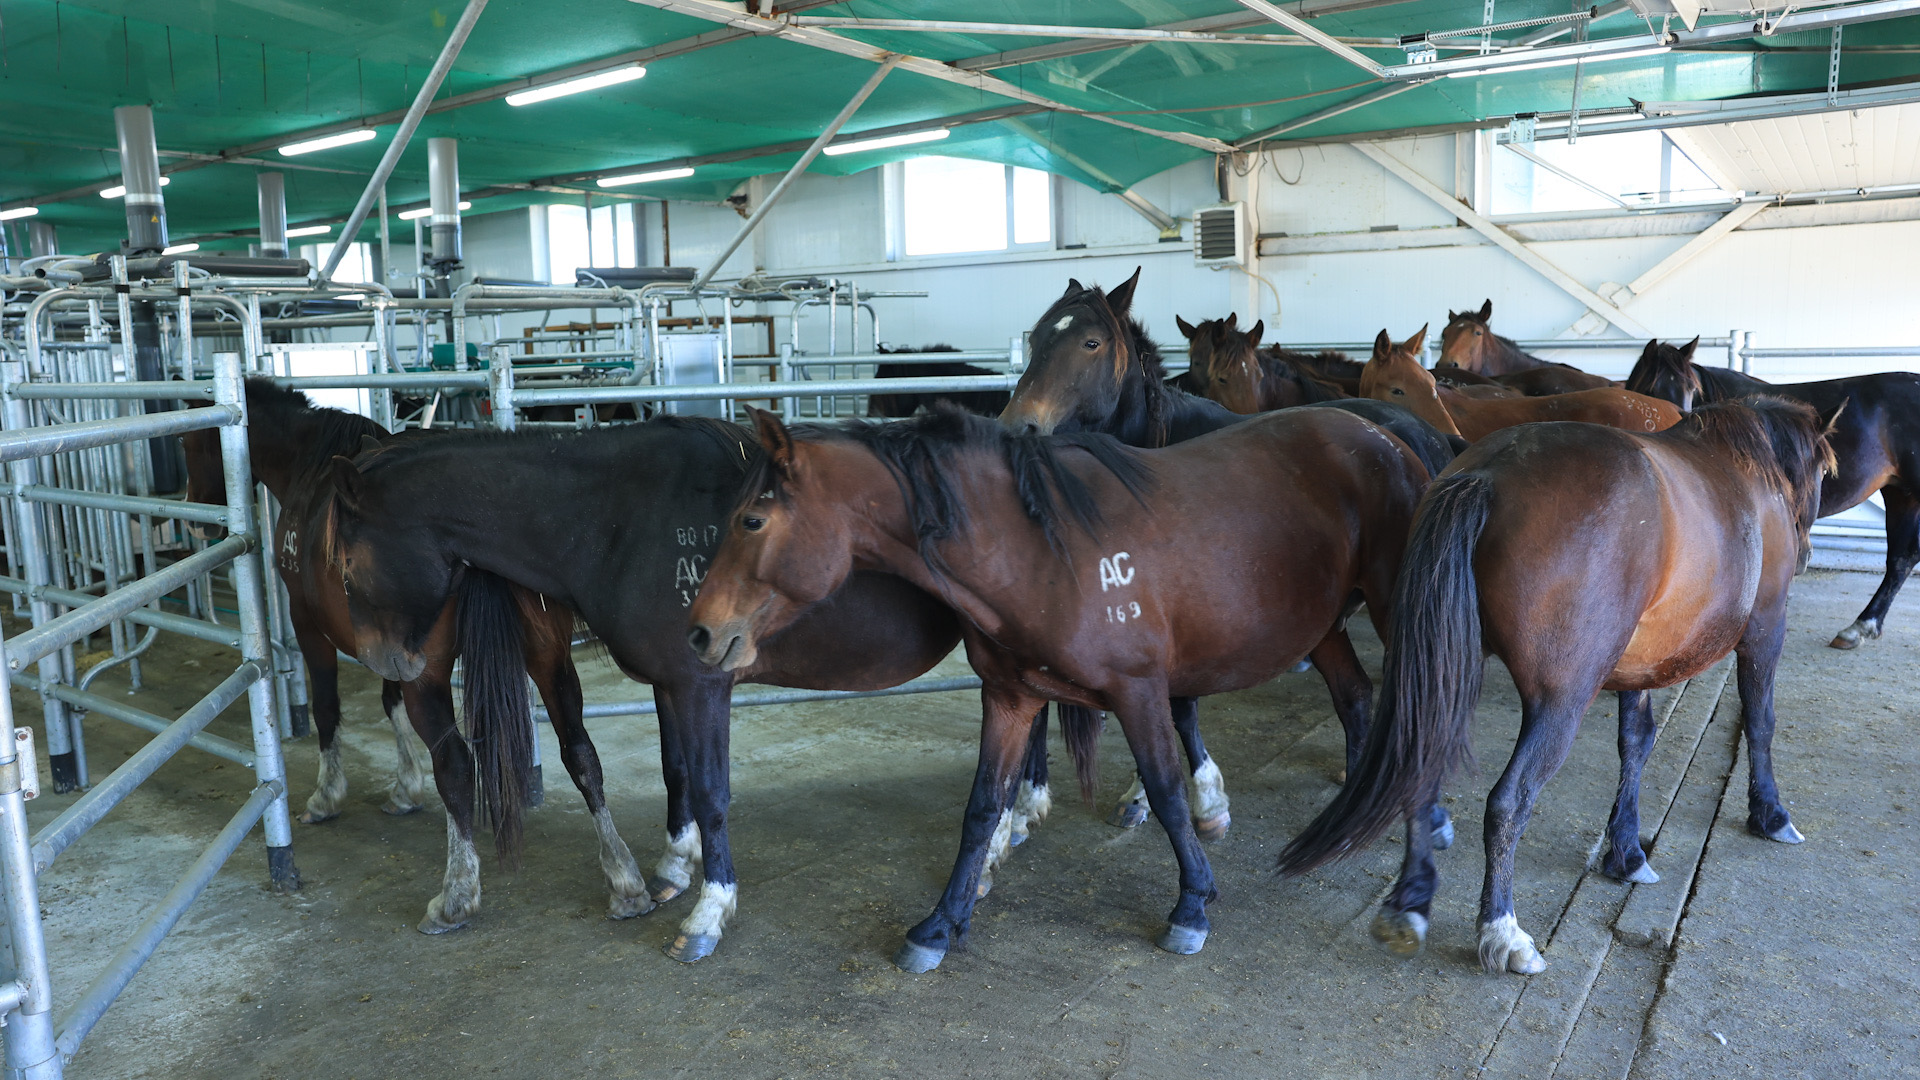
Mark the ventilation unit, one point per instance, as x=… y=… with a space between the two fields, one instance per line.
x=1219 y=235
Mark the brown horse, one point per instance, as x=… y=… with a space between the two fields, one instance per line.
x=1229 y=367
x=1468 y=343
x=1672 y=549
x=1394 y=374
x=292 y=446
x=1070 y=560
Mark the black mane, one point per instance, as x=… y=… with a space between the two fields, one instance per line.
x=326 y=432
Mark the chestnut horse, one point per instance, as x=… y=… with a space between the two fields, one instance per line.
x=1469 y=344
x=1071 y=563
x=1394 y=374
x=1230 y=368
x=1670 y=550
x=1876 y=439
x=292 y=445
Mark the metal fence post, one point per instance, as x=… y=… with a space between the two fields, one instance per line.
x=33 y=558
x=500 y=391
x=249 y=585
x=1735 y=340
x=30 y=1050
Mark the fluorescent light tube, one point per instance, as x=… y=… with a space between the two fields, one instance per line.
x=119 y=191
x=180 y=249
x=20 y=212
x=577 y=86
x=888 y=140
x=644 y=177
x=409 y=215
x=309 y=230
x=327 y=142
x=1560 y=61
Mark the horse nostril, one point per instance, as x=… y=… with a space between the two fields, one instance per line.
x=699 y=638
x=1030 y=428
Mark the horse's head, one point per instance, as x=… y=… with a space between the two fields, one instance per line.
x=1666 y=372
x=1078 y=359
x=1394 y=375
x=1227 y=361
x=396 y=574
x=1466 y=335
x=775 y=561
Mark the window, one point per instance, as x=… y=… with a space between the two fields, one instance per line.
x=953 y=205
x=356 y=265
x=576 y=239
x=1638 y=168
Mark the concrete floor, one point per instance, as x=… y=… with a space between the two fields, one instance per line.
x=1783 y=962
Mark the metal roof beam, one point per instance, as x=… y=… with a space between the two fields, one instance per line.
x=1307 y=30
x=1663 y=115
x=1237 y=20
x=1365 y=98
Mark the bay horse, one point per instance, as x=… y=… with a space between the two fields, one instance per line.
x=292 y=445
x=1231 y=369
x=1469 y=343
x=1876 y=439
x=1672 y=549
x=1394 y=374
x=619 y=525
x=1091 y=367
x=1069 y=560
x=984 y=402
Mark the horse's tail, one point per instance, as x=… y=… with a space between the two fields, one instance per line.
x=1421 y=729
x=499 y=716
x=1080 y=727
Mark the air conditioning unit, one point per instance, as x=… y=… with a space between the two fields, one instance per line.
x=1220 y=235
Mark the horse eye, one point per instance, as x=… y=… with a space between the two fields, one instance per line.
x=752 y=524
x=1397 y=390
x=1090 y=344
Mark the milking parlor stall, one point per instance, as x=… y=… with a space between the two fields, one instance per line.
x=1039 y=538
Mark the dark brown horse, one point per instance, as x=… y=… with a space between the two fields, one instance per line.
x=1672 y=549
x=292 y=446
x=984 y=402
x=1876 y=440
x=1070 y=560
x=1394 y=374
x=1469 y=343
x=1230 y=368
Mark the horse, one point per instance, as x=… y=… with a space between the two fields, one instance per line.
x=1231 y=369
x=984 y=402
x=291 y=447
x=1877 y=439
x=1087 y=591
x=1672 y=549
x=1092 y=367
x=619 y=525
x=1394 y=374
x=1468 y=343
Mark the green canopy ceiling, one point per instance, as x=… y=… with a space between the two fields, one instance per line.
x=227 y=73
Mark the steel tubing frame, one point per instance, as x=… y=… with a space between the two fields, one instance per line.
x=32 y=1049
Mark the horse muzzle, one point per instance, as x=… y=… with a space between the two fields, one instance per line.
x=728 y=647
x=397 y=665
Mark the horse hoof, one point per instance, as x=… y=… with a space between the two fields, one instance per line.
x=1017 y=837
x=1506 y=947
x=1128 y=815
x=1183 y=940
x=627 y=907
x=1213 y=828
x=1402 y=933
x=1785 y=834
x=688 y=948
x=397 y=809
x=311 y=817
x=1443 y=834
x=1304 y=665
x=434 y=924
x=917 y=959
x=1845 y=639
x=981 y=890
x=1643 y=875
x=667 y=892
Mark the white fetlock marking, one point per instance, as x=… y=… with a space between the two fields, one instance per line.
x=459 y=898
x=616 y=861
x=1030 y=808
x=409 y=781
x=1137 y=794
x=1506 y=947
x=330 y=790
x=1209 y=792
x=710 y=915
x=682 y=858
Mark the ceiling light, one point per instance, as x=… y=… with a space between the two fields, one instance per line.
x=180 y=249
x=120 y=190
x=576 y=86
x=888 y=140
x=327 y=142
x=1559 y=61
x=409 y=215
x=18 y=212
x=644 y=177
x=310 y=230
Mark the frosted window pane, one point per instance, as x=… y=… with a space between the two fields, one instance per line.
x=1032 y=207
x=566 y=242
x=954 y=205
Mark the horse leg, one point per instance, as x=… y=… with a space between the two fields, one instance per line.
x=1006 y=724
x=1210 y=816
x=409 y=789
x=1146 y=718
x=675 y=870
x=1754 y=667
x=1401 y=926
x=703 y=713
x=1903 y=551
x=430 y=703
x=1132 y=809
x=1547 y=728
x=1035 y=800
x=1625 y=858
x=553 y=673
x=1352 y=693
x=323 y=682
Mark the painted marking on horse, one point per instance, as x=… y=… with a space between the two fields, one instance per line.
x=330 y=791
x=688 y=573
x=682 y=858
x=290 y=552
x=1120 y=614
x=1114 y=573
x=1506 y=947
x=700 y=536
x=459 y=898
x=627 y=894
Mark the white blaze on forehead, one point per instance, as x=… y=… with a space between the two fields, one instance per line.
x=1065 y=321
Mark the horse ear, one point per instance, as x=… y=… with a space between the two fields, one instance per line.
x=1486 y=310
x=368 y=444
x=1452 y=315
x=1233 y=320
x=1187 y=329
x=1253 y=335
x=346 y=482
x=1074 y=286
x=1686 y=351
x=1383 y=344
x=1121 y=298
x=774 y=438
x=1418 y=341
